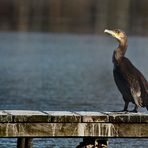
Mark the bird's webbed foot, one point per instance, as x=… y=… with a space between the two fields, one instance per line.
x=120 y=111
x=133 y=111
x=124 y=110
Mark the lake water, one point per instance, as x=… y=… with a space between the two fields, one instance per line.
x=45 y=71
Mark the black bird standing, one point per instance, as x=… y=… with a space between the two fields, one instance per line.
x=129 y=80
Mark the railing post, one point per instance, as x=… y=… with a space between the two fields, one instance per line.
x=24 y=142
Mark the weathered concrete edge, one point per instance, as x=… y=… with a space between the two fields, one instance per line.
x=73 y=130
x=127 y=117
x=26 y=116
x=94 y=117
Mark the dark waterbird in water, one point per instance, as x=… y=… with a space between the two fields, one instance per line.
x=129 y=80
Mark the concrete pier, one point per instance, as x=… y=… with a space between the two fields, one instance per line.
x=25 y=124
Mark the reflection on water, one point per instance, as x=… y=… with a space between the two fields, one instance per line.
x=41 y=71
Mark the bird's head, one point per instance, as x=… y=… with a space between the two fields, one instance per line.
x=118 y=34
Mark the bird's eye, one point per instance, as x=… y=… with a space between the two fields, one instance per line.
x=117 y=31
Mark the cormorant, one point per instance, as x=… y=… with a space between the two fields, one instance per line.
x=129 y=80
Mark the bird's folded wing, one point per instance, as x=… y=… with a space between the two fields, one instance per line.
x=136 y=91
x=136 y=81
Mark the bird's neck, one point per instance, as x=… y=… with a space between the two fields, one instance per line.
x=119 y=51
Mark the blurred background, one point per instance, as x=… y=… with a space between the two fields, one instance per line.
x=78 y=16
x=55 y=56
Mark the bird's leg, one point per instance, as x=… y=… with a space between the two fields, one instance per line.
x=126 y=106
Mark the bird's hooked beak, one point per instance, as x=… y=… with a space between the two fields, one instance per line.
x=111 y=32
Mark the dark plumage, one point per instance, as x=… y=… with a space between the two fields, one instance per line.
x=129 y=80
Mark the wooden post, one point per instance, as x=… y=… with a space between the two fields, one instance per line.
x=28 y=142
x=21 y=143
x=24 y=142
x=94 y=142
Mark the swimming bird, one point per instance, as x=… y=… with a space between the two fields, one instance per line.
x=129 y=80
